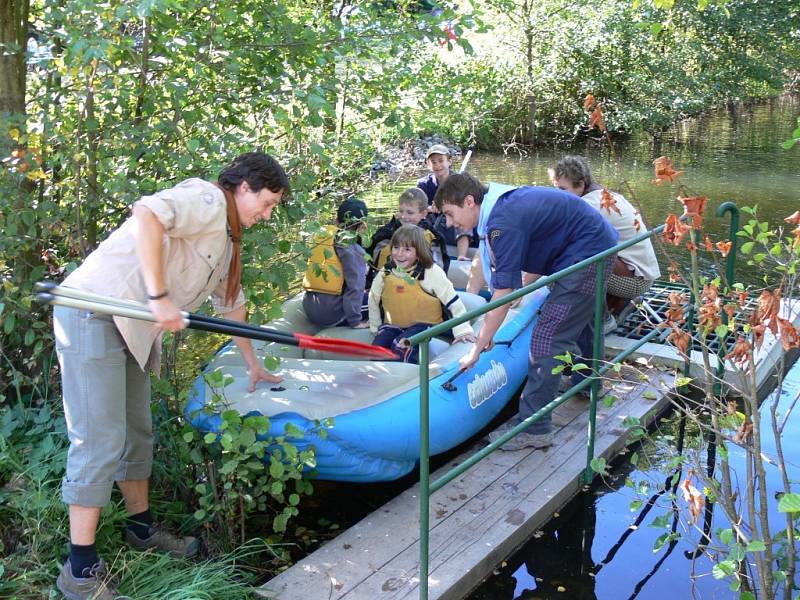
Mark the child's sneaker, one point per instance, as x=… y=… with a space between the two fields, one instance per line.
x=163 y=541
x=610 y=324
x=95 y=585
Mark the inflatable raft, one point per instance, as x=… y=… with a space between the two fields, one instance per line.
x=372 y=406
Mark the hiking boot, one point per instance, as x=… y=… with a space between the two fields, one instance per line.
x=163 y=541
x=94 y=585
x=523 y=440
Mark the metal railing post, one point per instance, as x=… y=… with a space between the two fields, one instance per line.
x=424 y=468
x=730 y=265
x=730 y=272
x=597 y=355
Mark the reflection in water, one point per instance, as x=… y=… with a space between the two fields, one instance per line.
x=614 y=545
x=559 y=563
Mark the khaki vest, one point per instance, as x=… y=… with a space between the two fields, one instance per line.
x=406 y=303
x=324 y=272
x=386 y=251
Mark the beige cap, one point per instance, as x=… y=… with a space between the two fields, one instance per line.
x=437 y=149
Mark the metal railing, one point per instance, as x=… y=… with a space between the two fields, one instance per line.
x=593 y=382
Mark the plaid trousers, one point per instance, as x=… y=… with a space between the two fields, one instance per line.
x=566 y=321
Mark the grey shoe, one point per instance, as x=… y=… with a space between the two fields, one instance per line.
x=163 y=541
x=525 y=440
x=95 y=586
x=521 y=440
x=610 y=324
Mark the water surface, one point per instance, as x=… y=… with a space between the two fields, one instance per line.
x=732 y=154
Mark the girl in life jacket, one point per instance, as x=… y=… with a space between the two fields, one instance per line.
x=410 y=294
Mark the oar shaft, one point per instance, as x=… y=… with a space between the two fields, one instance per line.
x=96 y=299
x=228 y=328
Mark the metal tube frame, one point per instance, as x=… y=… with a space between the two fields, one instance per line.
x=422 y=339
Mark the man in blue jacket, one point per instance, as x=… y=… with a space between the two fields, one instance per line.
x=537 y=231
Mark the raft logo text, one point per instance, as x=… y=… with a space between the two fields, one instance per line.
x=485 y=385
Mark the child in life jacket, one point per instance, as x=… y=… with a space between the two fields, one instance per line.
x=337 y=271
x=410 y=294
x=412 y=210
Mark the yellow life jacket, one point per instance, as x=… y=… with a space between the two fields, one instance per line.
x=406 y=303
x=324 y=272
x=386 y=251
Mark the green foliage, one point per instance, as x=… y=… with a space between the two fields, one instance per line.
x=648 y=64
x=246 y=471
x=789 y=503
x=789 y=144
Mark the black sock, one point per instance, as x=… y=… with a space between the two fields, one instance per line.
x=140 y=524
x=82 y=557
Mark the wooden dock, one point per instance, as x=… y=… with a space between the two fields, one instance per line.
x=478 y=519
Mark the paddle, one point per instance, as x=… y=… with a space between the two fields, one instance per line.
x=464 y=162
x=72 y=298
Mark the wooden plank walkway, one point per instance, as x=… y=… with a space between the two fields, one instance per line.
x=477 y=520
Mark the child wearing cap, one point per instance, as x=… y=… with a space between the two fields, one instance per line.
x=412 y=210
x=336 y=275
x=439 y=162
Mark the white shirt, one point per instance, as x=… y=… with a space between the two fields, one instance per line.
x=640 y=257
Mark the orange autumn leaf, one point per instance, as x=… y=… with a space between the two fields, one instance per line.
x=794 y=218
x=588 y=102
x=758 y=332
x=708 y=317
x=724 y=248
x=674 y=231
x=596 y=120
x=674 y=273
x=742 y=294
x=664 y=170
x=740 y=353
x=676 y=301
x=730 y=310
x=710 y=292
x=694 y=206
x=680 y=339
x=707 y=243
x=796 y=234
x=691 y=247
x=744 y=433
x=637 y=226
x=694 y=499
x=769 y=305
x=790 y=337
x=608 y=202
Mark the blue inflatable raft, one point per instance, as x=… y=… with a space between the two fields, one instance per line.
x=373 y=405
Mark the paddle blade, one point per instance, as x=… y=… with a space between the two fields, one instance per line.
x=340 y=346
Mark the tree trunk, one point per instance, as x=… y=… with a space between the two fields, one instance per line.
x=13 y=40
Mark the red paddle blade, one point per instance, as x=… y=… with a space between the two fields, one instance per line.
x=340 y=346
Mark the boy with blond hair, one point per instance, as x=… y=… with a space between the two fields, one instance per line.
x=412 y=210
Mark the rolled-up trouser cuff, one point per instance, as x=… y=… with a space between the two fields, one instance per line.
x=95 y=495
x=133 y=471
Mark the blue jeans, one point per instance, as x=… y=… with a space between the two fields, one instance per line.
x=389 y=336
